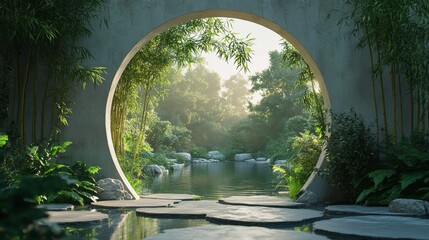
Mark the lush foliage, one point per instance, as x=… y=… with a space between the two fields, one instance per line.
x=41 y=37
x=306 y=150
x=404 y=173
x=351 y=153
x=43 y=160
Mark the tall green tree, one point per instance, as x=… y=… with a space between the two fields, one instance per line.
x=237 y=96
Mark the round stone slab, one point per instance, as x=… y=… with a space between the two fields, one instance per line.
x=195 y=209
x=263 y=216
x=233 y=232
x=261 y=200
x=63 y=217
x=376 y=227
x=361 y=210
x=140 y=203
x=56 y=206
x=171 y=196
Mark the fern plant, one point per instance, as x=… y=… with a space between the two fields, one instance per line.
x=404 y=173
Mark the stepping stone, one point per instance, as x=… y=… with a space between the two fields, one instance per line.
x=194 y=209
x=171 y=196
x=261 y=200
x=140 y=203
x=56 y=206
x=233 y=232
x=263 y=216
x=375 y=227
x=361 y=210
x=63 y=217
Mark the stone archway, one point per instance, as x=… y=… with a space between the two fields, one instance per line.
x=327 y=48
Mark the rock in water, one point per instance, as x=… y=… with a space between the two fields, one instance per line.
x=216 y=155
x=242 y=156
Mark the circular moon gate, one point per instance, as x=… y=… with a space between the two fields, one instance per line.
x=328 y=49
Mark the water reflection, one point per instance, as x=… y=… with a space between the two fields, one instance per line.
x=124 y=225
x=215 y=180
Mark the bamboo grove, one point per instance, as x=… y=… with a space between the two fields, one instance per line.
x=42 y=62
x=396 y=36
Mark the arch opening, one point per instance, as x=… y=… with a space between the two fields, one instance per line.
x=206 y=14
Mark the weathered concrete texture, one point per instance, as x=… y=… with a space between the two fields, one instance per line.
x=261 y=200
x=171 y=196
x=56 y=206
x=233 y=232
x=195 y=209
x=140 y=203
x=63 y=217
x=361 y=210
x=260 y=216
x=376 y=227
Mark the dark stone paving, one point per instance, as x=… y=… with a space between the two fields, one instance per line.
x=261 y=200
x=361 y=210
x=234 y=214
x=376 y=227
x=233 y=232
x=185 y=209
x=56 y=206
x=63 y=217
x=171 y=196
x=140 y=203
x=263 y=216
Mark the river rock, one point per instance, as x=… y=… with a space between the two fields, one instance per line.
x=177 y=166
x=203 y=160
x=404 y=205
x=242 y=156
x=155 y=170
x=185 y=155
x=261 y=159
x=112 y=189
x=216 y=155
x=250 y=160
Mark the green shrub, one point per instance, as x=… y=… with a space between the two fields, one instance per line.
x=199 y=152
x=351 y=153
x=42 y=160
x=404 y=173
x=297 y=170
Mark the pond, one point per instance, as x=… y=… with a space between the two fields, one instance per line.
x=208 y=180
x=216 y=180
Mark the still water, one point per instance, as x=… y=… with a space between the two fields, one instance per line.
x=208 y=180
x=216 y=180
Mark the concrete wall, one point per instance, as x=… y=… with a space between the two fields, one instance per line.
x=329 y=50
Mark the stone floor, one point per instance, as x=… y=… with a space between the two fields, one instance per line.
x=339 y=221
x=63 y=217
x=375 y=227
x=140 y=203
x=261 y=200
x=234 y=214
